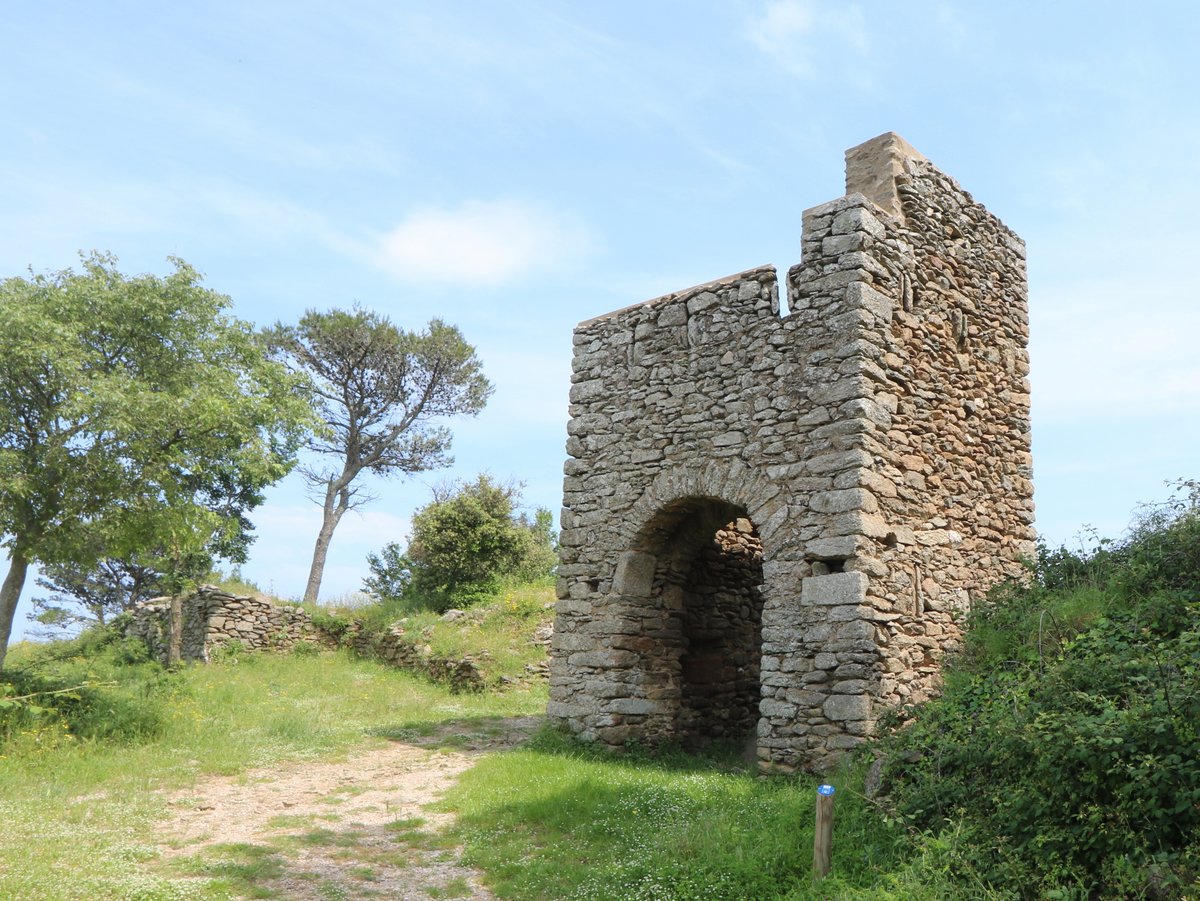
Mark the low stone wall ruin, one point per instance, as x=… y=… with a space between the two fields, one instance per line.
x=397 y=649
x=212 y=618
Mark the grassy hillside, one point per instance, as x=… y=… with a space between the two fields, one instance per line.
x=506 y=637
x=81 y=782
x=1062 y=761
x=1064 y=754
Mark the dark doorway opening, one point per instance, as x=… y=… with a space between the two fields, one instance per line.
x=709 y=577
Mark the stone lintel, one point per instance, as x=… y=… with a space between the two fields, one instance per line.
x=835 y=589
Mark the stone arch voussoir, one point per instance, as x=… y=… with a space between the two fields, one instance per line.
x=765 y=501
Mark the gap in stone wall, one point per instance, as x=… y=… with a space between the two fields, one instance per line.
x=709 y=582
x=783 y=296
x=722 y=630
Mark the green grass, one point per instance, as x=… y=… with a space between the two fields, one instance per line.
x=494 y=632
x=558 y=821
x=234 y=869
x=80 y=811
x=455 y=888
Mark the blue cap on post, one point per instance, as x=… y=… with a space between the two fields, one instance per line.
x=825 y=790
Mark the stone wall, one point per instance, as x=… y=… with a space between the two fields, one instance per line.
x=212 y=617
x=395 y=648
x=720 y=633
x=870 y=442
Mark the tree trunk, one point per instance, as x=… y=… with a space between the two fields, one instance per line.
x=175 y=643
x=332 y=515
x=10 y=593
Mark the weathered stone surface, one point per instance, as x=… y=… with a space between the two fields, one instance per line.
x=873 y=168
x=841 y=547
x=835 y=589
x=841 y=707
x=770 y=522
x=635 y=574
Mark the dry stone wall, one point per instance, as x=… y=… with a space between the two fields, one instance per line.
x=722 y=619
x=871 y=443
x=395 y=647
x=212 y=617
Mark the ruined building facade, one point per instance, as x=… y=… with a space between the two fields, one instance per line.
x=772 y=518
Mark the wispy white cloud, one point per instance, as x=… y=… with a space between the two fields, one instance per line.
x=792 y=32
x=227 y=125
x=482 y=243
x=477 y=243
x=53 y=218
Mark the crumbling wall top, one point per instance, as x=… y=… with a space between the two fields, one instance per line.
x=764 y=272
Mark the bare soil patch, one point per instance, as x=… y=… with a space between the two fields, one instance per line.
x=344 y=829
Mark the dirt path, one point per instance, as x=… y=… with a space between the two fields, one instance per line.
x=350 y=829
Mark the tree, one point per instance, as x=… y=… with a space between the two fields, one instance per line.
x=90 y=593
x=463 y=542
x=127 y=407
x=85 y=595
x=376 y=387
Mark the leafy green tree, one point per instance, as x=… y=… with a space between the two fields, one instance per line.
x=462 y=544
x=127 y=404
x=376 y=387
x=391 y=573
x=91 y=593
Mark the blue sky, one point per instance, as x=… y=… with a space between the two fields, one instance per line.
x=515 y=168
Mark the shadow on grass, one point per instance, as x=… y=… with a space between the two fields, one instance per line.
x=490 y=733
x=471 y=733
x=240 y=867
x=560 y=819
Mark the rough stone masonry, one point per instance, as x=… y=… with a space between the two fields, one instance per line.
x=771 y=517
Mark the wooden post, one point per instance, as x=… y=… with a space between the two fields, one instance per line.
x=823 y=836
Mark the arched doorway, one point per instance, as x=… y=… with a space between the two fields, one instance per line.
x=708 y=580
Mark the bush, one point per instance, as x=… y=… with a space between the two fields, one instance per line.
x=332 y=624
x=1163 y=550
x=1066 y=746
x=305 y=648
x=98 y=686
x=391 y=573
x=463 y=544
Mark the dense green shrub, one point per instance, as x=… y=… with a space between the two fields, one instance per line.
x=1065 y=747
x=333 y=624
x=1163 y=550
x=463 y=544
x=97 y=686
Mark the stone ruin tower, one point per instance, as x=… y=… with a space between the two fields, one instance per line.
x=772 y=518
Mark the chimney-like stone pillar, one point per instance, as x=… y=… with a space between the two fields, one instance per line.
x=872 y=167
